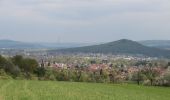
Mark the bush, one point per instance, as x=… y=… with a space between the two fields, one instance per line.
x=40 y=71
x=3 y=75
x=84 y=77
x=50 y=74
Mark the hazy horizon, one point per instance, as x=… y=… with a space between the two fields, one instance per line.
x=84 y=21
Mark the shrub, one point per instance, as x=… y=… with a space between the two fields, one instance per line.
x=50 y=74
x=3 y=75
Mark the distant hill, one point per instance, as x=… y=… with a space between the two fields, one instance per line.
x=63 y=45
x=24 y=45
x=17 y=44
x=123 y=46
x=162 y=44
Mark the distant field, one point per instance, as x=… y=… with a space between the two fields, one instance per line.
x=48 y=90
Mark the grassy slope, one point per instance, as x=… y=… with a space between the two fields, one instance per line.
x=41 y=90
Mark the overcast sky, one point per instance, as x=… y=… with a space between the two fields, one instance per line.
x=84 y=20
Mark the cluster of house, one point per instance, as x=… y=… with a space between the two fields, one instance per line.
x=123 y=72
x=93 y=67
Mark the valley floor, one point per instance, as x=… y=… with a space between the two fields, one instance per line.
x=53 y=90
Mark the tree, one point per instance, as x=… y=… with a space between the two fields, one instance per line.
x=12 y=69
x=40 y=71
x=2 y=62
x=9 y=67
x=138 y=77
x=93 y=62
x=151 y=73
x=17 y=60
x=166 y=77
x=139 y=63
x=112 y=76
x=168 y=64
x=29 y=65
x=26 y=64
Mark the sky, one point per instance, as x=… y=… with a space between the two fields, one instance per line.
x=84 y=21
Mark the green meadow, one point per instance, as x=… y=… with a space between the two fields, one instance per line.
x=53 y=90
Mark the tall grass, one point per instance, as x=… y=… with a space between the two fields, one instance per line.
x=53 y=90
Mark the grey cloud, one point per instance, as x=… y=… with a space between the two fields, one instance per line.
x=84 y=20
